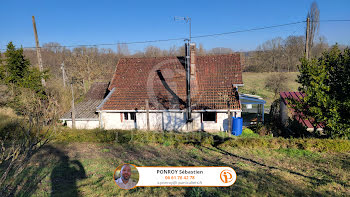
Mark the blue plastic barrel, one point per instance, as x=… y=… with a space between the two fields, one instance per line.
x=237 y=124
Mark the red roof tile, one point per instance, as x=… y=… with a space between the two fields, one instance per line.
x=298 y=116
x=97 y=90
x=162 y=81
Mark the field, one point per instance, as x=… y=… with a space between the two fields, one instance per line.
x=254 y=83
x=82 y=163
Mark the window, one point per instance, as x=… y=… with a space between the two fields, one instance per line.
x=209 y=116
x=130 y=116
x=133 y=116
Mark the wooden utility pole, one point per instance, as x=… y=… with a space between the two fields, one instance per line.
x=38 y=52
x=307 y=39
x=73 y=107
x=63 y=74
x=147 y=114
x=229 y=118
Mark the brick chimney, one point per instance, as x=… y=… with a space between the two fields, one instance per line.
x=193 y=58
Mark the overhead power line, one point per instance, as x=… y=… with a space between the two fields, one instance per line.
x=199 y=36
x=247 y=30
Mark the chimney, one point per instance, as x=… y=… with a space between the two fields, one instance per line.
x=193 y=58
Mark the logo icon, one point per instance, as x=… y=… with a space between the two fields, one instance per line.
x=226 y=176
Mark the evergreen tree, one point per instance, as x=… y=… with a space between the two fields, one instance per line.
x=16 y=65
x=326 y=84
x=24 y=82
x=19 y=73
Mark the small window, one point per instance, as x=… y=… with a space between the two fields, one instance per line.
x=133 y=116
x=209 y=116
x=126 y=116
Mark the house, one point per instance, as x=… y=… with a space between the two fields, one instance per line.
x=161 y=82
x=86 y=116
x=289 y=114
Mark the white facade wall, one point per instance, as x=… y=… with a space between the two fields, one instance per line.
x=170 y=121
x=84 y=124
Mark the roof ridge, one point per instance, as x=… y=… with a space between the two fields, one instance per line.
x=167 y=57
x=164 y=57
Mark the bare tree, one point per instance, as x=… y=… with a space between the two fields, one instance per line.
x=84 y=66
x=201 y=50
x=314 y=16
x=172 y=51
x=152 y=51
x=293 y=49
x=319 y=47
x=276 y=83
x=220 y=50
x=122 y=50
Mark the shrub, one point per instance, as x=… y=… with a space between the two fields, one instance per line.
x=326 y=83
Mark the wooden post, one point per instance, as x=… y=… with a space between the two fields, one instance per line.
x=73 y=108
x=229 y=118
x=63 y=74
x=147 y=114
x=84 y=86
x=38 y=51
x=307 y=39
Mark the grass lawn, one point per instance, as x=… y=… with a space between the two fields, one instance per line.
x=84 y=164
x=254 y=83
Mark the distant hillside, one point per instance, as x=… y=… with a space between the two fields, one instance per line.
x=254 y=83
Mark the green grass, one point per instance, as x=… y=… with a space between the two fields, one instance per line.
x=254 y=83
x=84 y=165
x=293 y=152
x=260 y=172
x=222 y=139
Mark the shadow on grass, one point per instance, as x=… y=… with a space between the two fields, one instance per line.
x=48 y=160
x=65 y=175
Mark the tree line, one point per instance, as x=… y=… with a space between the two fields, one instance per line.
x=282 y=55
x=90 y=64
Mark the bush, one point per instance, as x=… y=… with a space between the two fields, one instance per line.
x=248 y=133
x=276 y=83
x=326 y=83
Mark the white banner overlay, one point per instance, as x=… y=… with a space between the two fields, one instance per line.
x=186 y=176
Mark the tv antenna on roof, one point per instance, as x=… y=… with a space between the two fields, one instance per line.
x=187 y=67
x=186 y=19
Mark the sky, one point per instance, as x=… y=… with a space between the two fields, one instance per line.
x=108 y=22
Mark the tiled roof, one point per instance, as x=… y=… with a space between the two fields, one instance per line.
x=162 y=81
x=298 y=116
x=93 y=98
x=84 y=110
x=98 y=90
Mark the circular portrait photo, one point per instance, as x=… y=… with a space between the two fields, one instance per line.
x=126 y=176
